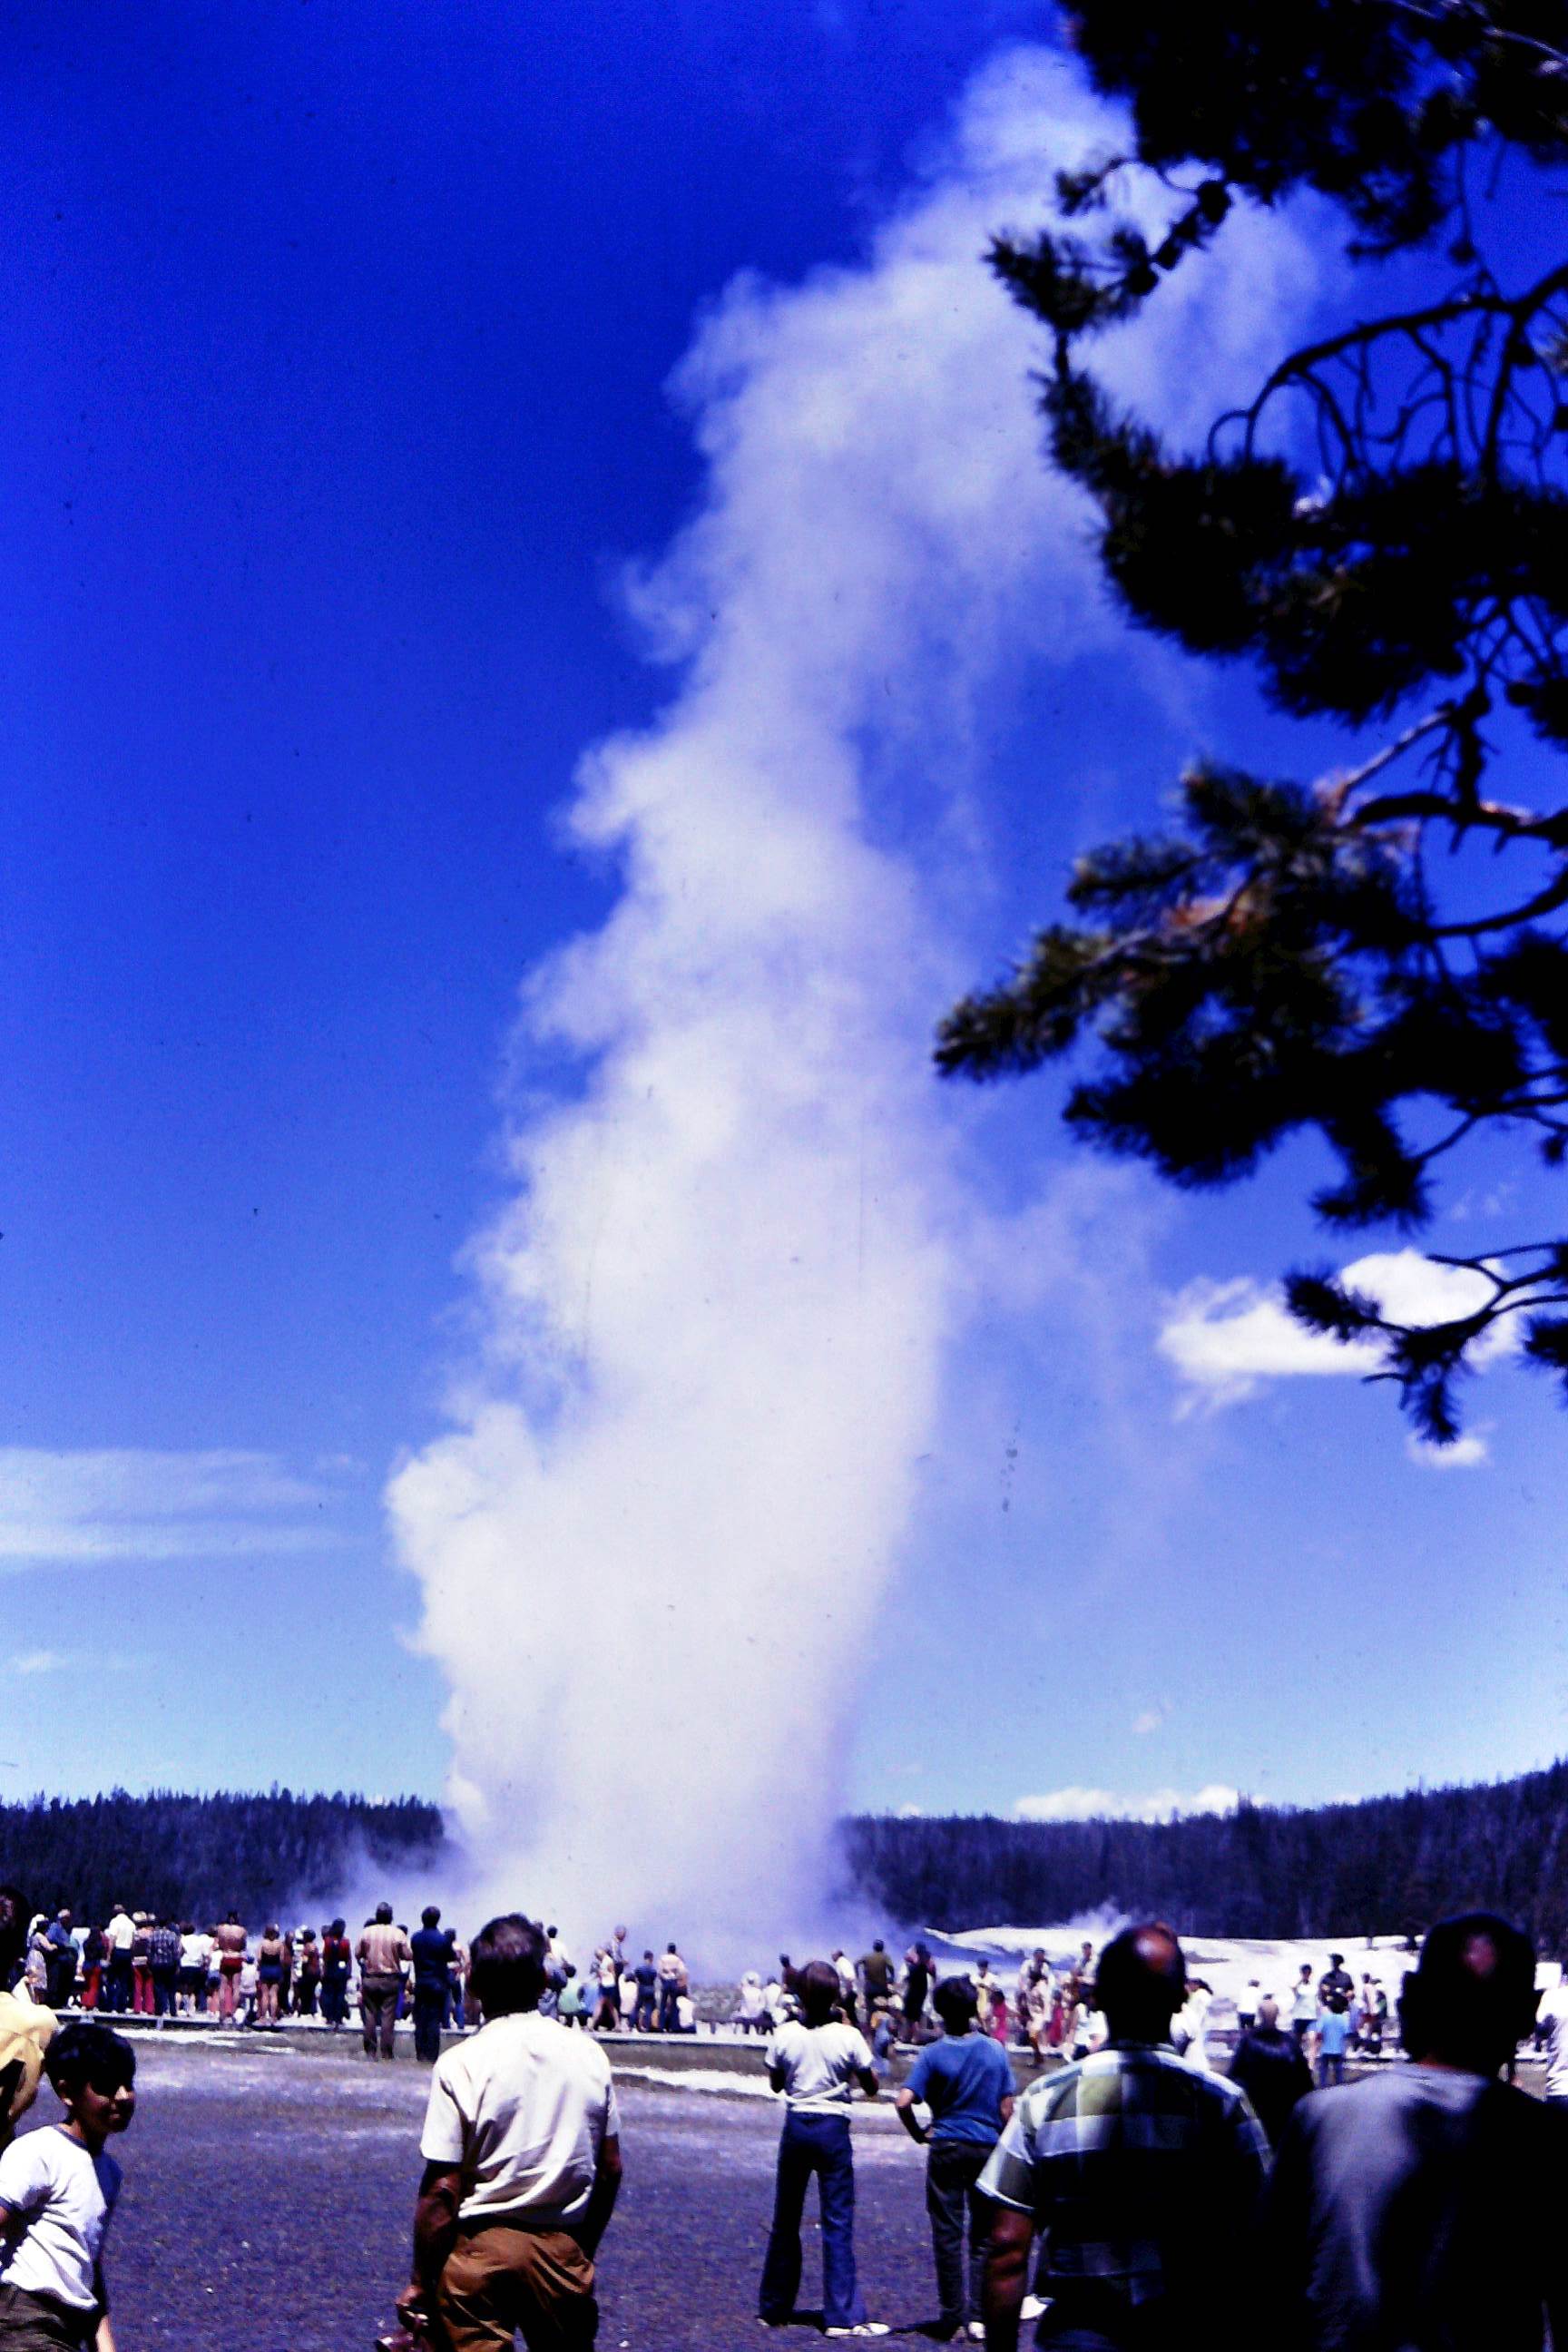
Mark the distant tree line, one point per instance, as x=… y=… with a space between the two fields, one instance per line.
x=1387 y=1865
x=199 y=1856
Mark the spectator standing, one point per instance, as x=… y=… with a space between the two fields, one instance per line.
x=1303 y=2003
x=94 y=1955
x=59 y=1961
x=607 y=1990
x=966 y=2083
x=232 y=1945
x=876 y=1975
x=141 y=1963
x=58 y=2193
x=1333 y=2034
x=1336 y=1987
x=163 y=1966
x=430 y=1955
x=337 y=1962
x=191 y=1980
x=307 y=1972
x=672 y=1983
x=918 y=1974
x=119 y=1934
x=1267 y=2066
x=751 y=2014
x=382 y=1954
x=1028 y=2002
x=1143 y=2175
x=847 y=1984
x=813 y=2061
x=647 y=1976
x=1422 y=2207
x=522 y=2166
x=458 y=1979
x=270 y=1976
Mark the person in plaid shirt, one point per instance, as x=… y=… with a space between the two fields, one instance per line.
x=1142 y=2174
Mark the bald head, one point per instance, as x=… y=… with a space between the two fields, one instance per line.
x=1141 y=1982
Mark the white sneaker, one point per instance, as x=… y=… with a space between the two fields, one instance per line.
x=977 y=2331
x=1031 y=2306
x=866 y=2328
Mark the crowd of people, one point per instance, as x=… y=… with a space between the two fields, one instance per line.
x=1129 y=2197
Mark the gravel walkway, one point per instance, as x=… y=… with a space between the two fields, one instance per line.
x=268 y=2198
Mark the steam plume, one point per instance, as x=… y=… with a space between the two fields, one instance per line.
x=719 y=1311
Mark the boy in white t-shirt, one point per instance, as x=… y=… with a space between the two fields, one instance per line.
x=57 y=2192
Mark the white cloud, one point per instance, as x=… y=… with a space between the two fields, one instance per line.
x=1225 y=1338
x=126 y=1503
x=1080 y=1804
x=720 y=1310
x=1149 y=1719
x=29 y=1663
x=1467 y=1453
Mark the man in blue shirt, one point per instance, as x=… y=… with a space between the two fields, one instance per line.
x=966 y=2081
x=432 y=1954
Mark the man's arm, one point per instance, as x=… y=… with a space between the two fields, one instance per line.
x=904 y=2106
x=602 y=2197
x=868 y=2082
x=1007 y=2276
x=435 y=2234
x=1006 y=2103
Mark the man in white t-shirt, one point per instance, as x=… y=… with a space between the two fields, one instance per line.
x=522 y=2167
x=57 y=2191
x=815 y=2061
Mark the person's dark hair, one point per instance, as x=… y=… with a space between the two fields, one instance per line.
x=382 y=1915
x=955 y=2003
x=338 y=1927
x=878 y=1946
x=1471 y=1997
x=90 y=2054
x=556 y=1931
x=817 y=1989
x=271 y=1931
x=431 y=1915
x=1140 y=1982
x=506 y=1964
x=669 y=1948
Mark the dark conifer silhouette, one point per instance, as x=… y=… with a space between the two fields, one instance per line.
x=186 y=1856
x=1383 y=531
x=1389 y=1866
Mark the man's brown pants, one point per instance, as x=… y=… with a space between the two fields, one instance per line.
x=501 y=2281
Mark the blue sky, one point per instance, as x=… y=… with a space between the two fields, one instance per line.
x=337 y=406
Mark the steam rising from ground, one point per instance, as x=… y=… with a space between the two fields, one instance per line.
x=722 y=1309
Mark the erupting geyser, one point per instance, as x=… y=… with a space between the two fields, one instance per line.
x=719 y=1311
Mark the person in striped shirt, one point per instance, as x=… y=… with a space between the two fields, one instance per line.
x=1140 y=2174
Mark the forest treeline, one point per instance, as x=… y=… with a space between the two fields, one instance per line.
x=195 y=1857
x=1385 y=1865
